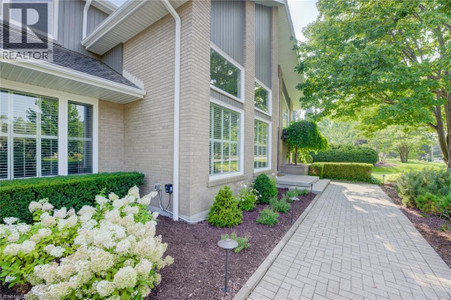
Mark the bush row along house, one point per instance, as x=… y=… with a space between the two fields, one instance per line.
x=190 y=93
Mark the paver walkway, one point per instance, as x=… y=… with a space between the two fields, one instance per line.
x=356 y=244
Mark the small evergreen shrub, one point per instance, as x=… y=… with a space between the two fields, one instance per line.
x=265 y=187
x=296 y=193
x=63 y=191
x=439 y=205
x=268 y=217
x=347 y=153
x=225 y=211
x=281 y=206
x=247 y=198
x=413 y=184
x=346 y=171
x=243 y=242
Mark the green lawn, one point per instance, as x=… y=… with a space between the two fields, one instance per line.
x=413 y=165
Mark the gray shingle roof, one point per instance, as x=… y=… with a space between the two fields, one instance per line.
x=79 y=62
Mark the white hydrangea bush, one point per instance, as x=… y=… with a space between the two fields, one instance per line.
x=114 y=252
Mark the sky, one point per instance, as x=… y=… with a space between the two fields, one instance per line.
x=303 y=12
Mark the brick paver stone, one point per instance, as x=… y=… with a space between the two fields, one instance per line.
x=356 y=244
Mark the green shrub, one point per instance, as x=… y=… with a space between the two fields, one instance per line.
x=413 y=184
x=265 y=187
x=281 y=206
x=346 y=153
x=247 y=198
x=268 y=217
x=243 y=242
x=439 y=205
x=225 y=211
x=63 y=191
x=296 y=193
x=346 y=171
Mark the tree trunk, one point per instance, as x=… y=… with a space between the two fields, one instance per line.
x=444 y=138
x=296 y=157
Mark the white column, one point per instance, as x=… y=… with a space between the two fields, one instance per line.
x=62 y=136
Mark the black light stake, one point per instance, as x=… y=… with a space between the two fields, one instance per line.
x=383 y=179
x=311 y=187
x=227 y=244
x=293 y=199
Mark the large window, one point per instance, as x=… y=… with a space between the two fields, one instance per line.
x=80 y=117
x=261 y=145
x=28 y=135
x=224 y=140
x=224 y=75
x=262 y=97
x=285 y=114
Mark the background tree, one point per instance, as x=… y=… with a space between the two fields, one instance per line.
x=304 y=137
x=382 y=63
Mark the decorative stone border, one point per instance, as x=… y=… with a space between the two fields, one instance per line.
x=252 y=282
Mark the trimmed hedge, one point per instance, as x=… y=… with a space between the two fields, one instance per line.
x=347 y=171
x=69 y=191
x=346 y=153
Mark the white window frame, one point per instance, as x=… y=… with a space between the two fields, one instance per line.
x=63 y=99
x=269 y=104
x=285 y=105
x=54 y=11
x=269 y=166
x=236 y=64
x=241 y=143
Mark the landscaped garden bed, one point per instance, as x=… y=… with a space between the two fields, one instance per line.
x=436 y=230
x=198 y=269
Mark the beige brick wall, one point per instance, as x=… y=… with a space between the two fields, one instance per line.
x=111 y=137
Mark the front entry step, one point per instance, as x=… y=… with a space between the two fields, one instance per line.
x=296 y=180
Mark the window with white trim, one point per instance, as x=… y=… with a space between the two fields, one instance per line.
x=262 y=97
x=224 y=74
x=261 y=145
x=285 y=114
x=28 y=135
x=80 y=150
x=225 y=141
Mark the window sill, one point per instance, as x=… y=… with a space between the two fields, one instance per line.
x=263 y=112
x=216 y=89
x=212 y=182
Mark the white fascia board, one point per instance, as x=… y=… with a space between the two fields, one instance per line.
x=64 y=72
x=104 y=5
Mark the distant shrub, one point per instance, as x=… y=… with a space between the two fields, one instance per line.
x=281 y=206
x=225 y=211
x=247 y=198
x=346 y=153
x=346 y=171
x=243 y=242
x=63 y=191
x=413 y=184
x=265 y=187
x=268 y=217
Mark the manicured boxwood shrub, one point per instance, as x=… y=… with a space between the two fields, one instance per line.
x=62 y=191
x=265 y=187
x=347 y=171
x=346 y=153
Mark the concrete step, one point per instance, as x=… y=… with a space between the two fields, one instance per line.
x=320 y=186
x=296 y=180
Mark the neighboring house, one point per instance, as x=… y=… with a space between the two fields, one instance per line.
x=212 y=82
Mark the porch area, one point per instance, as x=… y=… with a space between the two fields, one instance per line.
x=313 y=183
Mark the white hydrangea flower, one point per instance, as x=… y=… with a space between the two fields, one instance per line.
x=125 y=278
x=105 y=288
x=47 y=220
x=145 y=248
x=43 y=201
x=59 y=290
x=144 y=290
x=101 y=200
x=57 y=251
x=10 y=278
x=33 y=206
x=28 y=246
x=118 y=203
x=85 y=218
x=44 y=232
x=66 y=270
x=123 y=247
x=155 y=214
x=71 y=212
x=23 y=228
x=47 y=206
x=144 y=200
x=68 y=223
x=87 y=210
x=144 y=267
x=10 y=220
x=12 y=249
x=113 y=196
x=14 y=237
x=89 y=224
x=113 y=216
x=134 y=191
x=130 y=210
x=102 y=237
x=60 y=213
x=101 y=260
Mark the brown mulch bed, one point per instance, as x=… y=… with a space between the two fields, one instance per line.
x=198 y=269
x=430 y=226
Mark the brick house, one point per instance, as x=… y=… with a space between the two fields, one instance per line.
x=190 y=93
